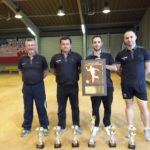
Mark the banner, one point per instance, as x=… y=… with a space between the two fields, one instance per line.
x=11 y=50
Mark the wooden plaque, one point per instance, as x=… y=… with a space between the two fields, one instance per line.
x=94 y=77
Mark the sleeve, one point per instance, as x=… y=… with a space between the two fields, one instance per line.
x=20 y=64
x=111 y=59
x=87 y=57
x=146 y=56
x=45 y=65
x=117 y=59
x=52 y=63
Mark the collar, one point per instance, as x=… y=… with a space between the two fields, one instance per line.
x=33 y=55
x=68 y=52
x=99 y=53
x=133 y=49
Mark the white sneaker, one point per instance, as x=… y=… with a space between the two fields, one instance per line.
x=127 y=135
x=147 y=134
x=107 y=129
x=95 y=131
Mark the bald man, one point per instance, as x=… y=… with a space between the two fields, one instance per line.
x=133 y=64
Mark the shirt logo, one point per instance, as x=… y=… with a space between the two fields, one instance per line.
x=124 y=58
x=24 y=63
x=57 y=61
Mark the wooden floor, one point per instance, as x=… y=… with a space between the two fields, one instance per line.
x=11 y=115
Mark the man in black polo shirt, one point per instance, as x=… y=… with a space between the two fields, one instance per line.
x=33 y=68
x=133 y=64
x=66 y=67
x=106 y=100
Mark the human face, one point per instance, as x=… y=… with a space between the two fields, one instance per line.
x=130 y=39
x=97 y=43
x=65 y=46
x=30 y=47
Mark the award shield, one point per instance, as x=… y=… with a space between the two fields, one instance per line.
x=94 y=77
x=132 y=133
x=75 y=142
x=57 y=143
x=92 y=142
x=40 y=144
x=112 y=142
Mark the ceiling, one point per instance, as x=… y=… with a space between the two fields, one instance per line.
x=125 y=14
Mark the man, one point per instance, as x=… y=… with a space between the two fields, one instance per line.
x=106 y=100
x=133 y=64
x=66 y=67
x=33 y=68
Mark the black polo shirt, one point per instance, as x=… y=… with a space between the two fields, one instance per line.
x=32 y=70
x=66 y=69
x=133 y=65
x=109 y=61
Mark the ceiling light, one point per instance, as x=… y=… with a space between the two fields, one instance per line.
x=61 y=12
x=106 y=8
x=17 y=14
x=31 y=31
x=83 y=28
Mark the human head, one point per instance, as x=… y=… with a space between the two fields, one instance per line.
x=30 y=46
x=65 y=44
x=129 y=39
x=97 y=42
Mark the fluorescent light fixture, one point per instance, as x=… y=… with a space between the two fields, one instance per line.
x=83 y=28
x=106 y=8
x=61 y=12
x=18 y=15
x=31 y=31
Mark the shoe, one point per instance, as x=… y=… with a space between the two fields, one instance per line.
x=95 y=131
x=25 y=133
x=45 y=132
x=62 y=130
x=79 y=131
x=107 y=129
x=127 y=135
x=147 y=134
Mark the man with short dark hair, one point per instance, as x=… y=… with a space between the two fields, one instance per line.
x=66 y=67
x=33 y=68
x=133 y=64
x=98 y=53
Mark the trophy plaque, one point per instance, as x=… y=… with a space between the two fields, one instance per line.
x=40 y=144
x=57 y=143
x=132 y=133
x=112 y=142
x=92 y=142
x=75 y=142
x=94 y=77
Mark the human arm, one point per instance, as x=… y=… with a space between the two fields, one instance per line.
x=53 y=66
x=147 y=68
x=112 y=67
x=45 y=73
x=45 y=68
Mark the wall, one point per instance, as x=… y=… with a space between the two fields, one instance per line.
x=144 y=30
x=50 y=45
x=111 y=43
